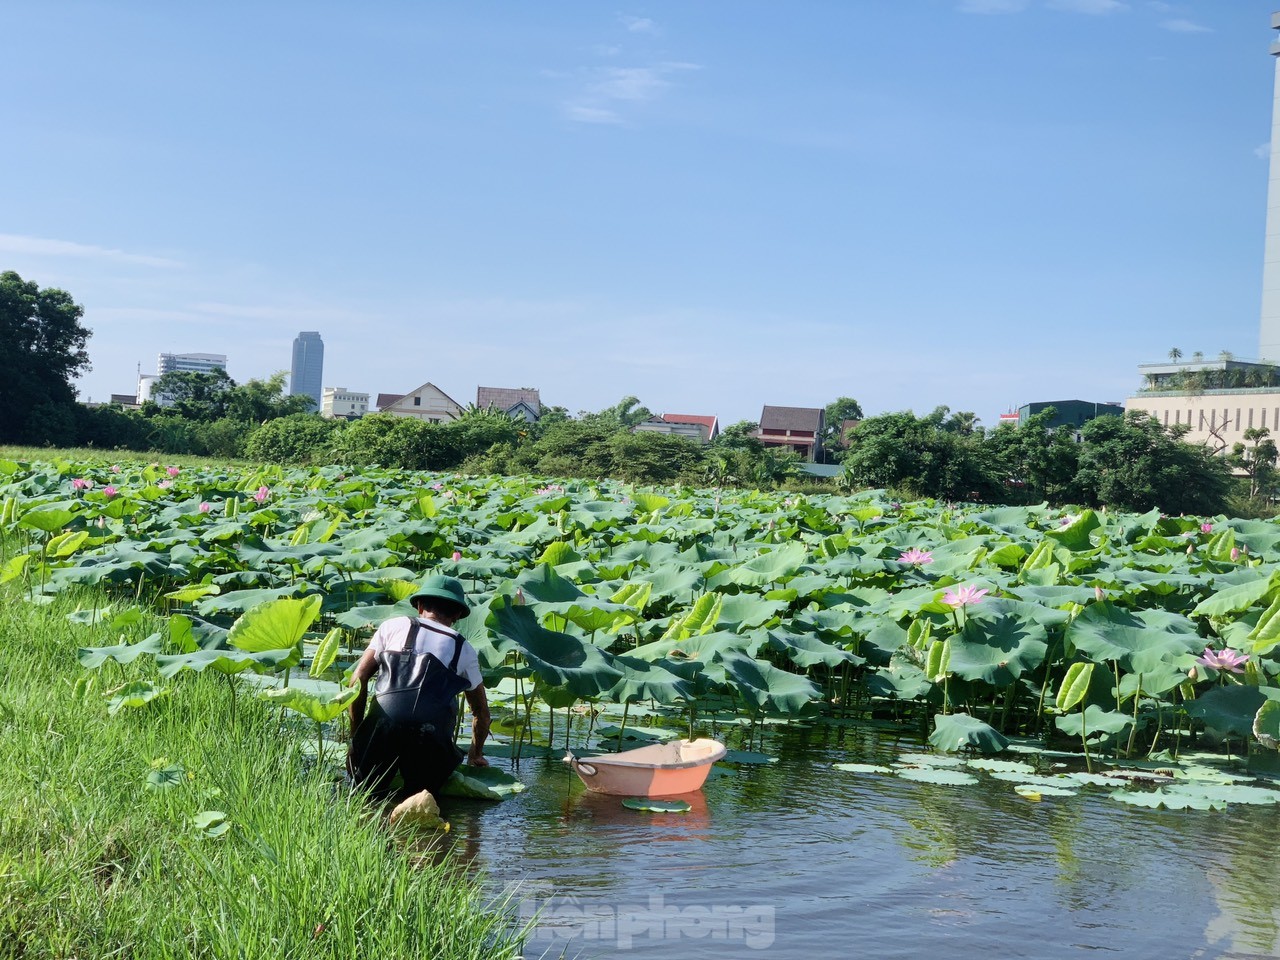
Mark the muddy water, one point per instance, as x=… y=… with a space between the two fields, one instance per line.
x=795 y=859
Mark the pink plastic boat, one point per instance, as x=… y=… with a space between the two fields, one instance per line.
x=660 y=770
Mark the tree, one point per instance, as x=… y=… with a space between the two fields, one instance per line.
x=1135 y=463
x=41 y=352
x=298 y=438
x=836 y=413
x=1034 y=461
x=200 y=396
x=626 y=413
x=1257 y=462
x=916 y=456
x=1175 y=354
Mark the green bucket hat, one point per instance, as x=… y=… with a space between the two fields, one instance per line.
x=442 y=588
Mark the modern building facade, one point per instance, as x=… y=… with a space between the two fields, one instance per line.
x=1069 y=414
x=1269 y=334
x=339 y=403
x=307 y=373
x=190 y=363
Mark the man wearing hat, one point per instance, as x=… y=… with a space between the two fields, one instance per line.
x=421 y=664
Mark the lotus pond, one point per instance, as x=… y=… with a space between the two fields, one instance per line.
x=963 y=670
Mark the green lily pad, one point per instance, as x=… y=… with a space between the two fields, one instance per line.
x=167 y=777
x=862 y=768
x=949 y=778
x=959 y=731
x=1003 y=766
x=1034 y=791
x=650 y=805
x=1165 y=800
x=481 y=783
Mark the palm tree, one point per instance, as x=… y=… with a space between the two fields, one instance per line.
x=1175 y=354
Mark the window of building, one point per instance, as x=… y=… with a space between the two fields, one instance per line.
x=1201 y=418
x=1166 y=418
x=1251 y=418
x=417 y=401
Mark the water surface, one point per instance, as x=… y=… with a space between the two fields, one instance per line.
x=797 y=860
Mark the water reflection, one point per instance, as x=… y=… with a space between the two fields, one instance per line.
x=870 y=865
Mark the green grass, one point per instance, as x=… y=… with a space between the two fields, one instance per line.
x=94 y=864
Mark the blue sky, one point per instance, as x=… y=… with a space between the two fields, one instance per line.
x=710 y=205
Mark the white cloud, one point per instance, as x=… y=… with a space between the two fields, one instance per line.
x=584 y=114
x=608 y=88
x=1159 y=6
x=43 y=247
x=1091 y=7
x=992 y=6
x=638 y=24
x=1262 y=151
x=1184 y=26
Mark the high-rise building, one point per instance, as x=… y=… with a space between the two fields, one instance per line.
x=1269 y=337
x=190 y=363
x=307 y=373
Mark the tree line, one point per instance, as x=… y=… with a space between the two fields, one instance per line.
x=1131 y=462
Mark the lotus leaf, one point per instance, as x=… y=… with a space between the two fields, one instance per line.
x=862 y=768
x=949 y=778
x=274 y=625
x=960 y=731
x=558 y=659
x=997 y=651
x=134 y=694
x=481 y=783
x=317 y=707
x=1231 y=710
x=650 y=805
x=1141 y=641
x=764 y=686
x=1165 y=800
x=91 y=657
x=1094 y=720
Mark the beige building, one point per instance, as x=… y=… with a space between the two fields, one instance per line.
x=344 y=404
x=428 y=402
x=1217 y=418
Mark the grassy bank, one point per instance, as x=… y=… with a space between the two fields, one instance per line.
x=96 y=862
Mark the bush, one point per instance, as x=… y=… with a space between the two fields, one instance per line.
x=300 y=438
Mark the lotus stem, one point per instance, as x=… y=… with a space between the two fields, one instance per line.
x=626 y=705
x=1137 y=699
x=1084 y=741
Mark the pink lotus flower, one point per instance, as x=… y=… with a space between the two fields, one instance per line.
x=81 y=484
x=164 y=484
x=519 y=597
x=115 y=468
x=457 y=555
x=964 y=596
x=204 y=507
x=1235 y=554
x=437 y=486
x=917 y=557
x=109 y=492
x=262 y=494
x=1224 y=659
x=173 y=471
x=1206 y=528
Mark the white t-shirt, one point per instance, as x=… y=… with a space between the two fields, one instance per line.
x=433 y=638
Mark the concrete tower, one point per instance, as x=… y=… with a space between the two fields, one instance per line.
x=307 y=373
x=1269 y=338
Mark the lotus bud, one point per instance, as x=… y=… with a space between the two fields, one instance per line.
x=1191 y=548
x=1193 y=673
x=457 y=555
x=204 y=508
x=519 y=597
x=1235 y=554
x=1099 y=594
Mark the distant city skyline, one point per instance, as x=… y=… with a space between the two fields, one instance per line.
x=709 y=206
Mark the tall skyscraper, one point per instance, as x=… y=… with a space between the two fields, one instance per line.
x=1269 y=338
x=307 y=373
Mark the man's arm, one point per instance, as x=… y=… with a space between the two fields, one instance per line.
x=478 y=701
x=366 y=667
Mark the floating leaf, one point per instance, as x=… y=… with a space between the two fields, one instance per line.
x=481 y=783
x=1164 y=800
x=862 y=768
x=650 y=805
x=950 y=778
x=1034 y=792
x=210 y=824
